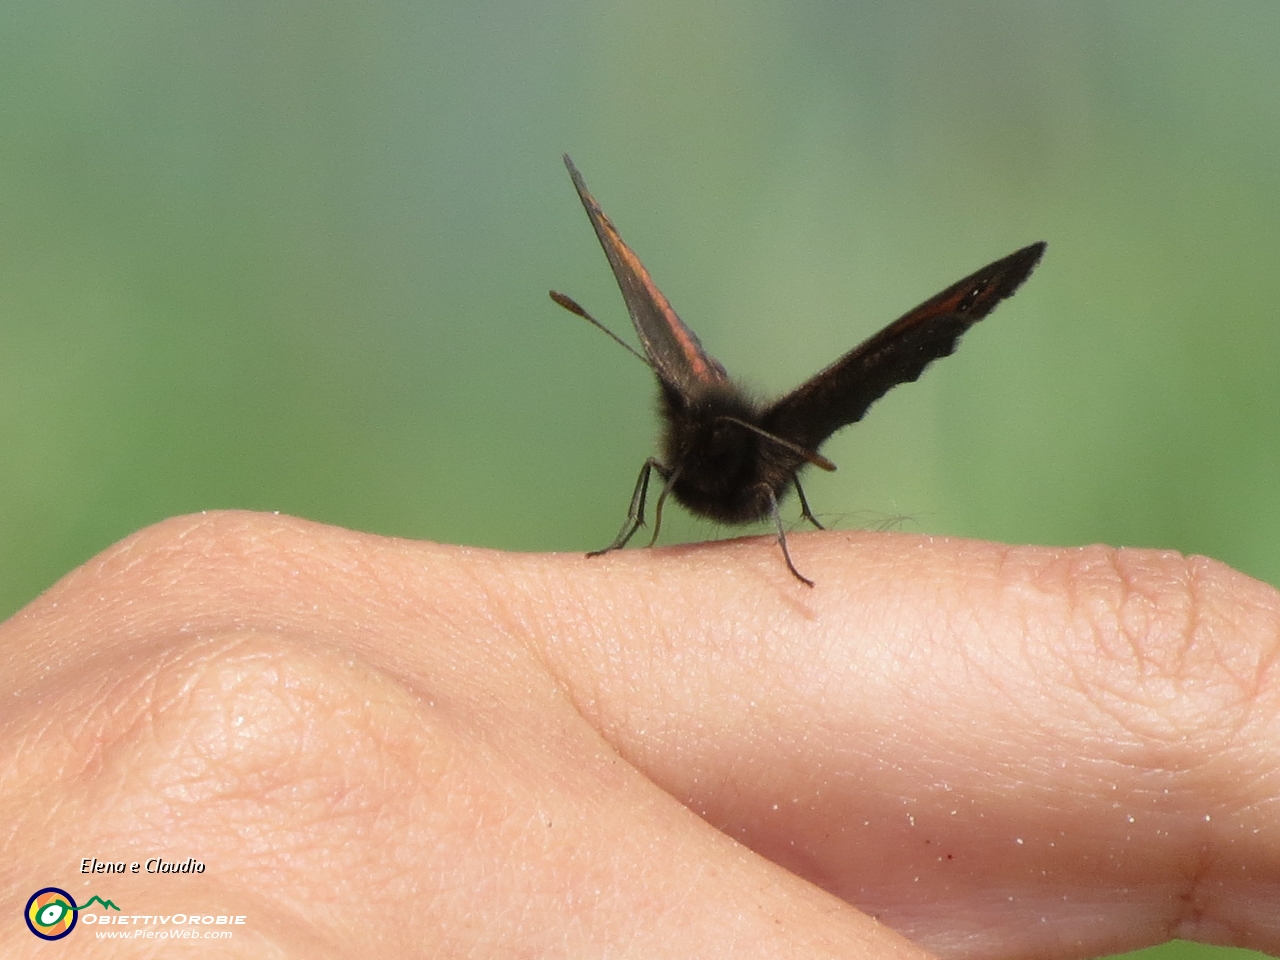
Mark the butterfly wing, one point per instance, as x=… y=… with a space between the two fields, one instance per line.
x=673 y=349
x=841 y=393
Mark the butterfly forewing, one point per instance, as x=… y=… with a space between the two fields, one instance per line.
x=673 y=349
x=899 y=353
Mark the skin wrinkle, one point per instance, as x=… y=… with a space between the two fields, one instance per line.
x=990 y=673
x=257 y=775
x=269 y=773
x=1139 y=675
x=1152 y=613
x=85 y=735
x=1260 y=657
x=1191 y=911
x=1160 y=666
x=182 y=661
x=1166 y=648
x=509 y=618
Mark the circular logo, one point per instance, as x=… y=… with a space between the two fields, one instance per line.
x=51 y=913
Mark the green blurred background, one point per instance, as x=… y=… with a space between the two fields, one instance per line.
x=294 y=256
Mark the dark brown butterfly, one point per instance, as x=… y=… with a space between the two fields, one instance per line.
x=729 y=458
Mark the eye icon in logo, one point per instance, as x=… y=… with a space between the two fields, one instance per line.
x=51 y=913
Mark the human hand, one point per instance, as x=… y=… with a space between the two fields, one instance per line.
x=388 y=748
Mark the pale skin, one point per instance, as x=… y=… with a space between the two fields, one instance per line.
x=384 y=748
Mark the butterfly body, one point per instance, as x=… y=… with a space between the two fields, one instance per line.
x=718 y=470
x=731 y=459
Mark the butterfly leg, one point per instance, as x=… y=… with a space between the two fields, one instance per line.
x=668 y=480
x=635 y=512
x=782 y=537
x=805 y=512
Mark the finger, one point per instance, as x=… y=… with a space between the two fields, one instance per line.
x=995 y=750
x=363 y=760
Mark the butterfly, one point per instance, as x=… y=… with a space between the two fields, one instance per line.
x=726 y=456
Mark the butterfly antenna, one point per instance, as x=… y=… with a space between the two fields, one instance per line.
x=574 y=307
x=812 y=456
